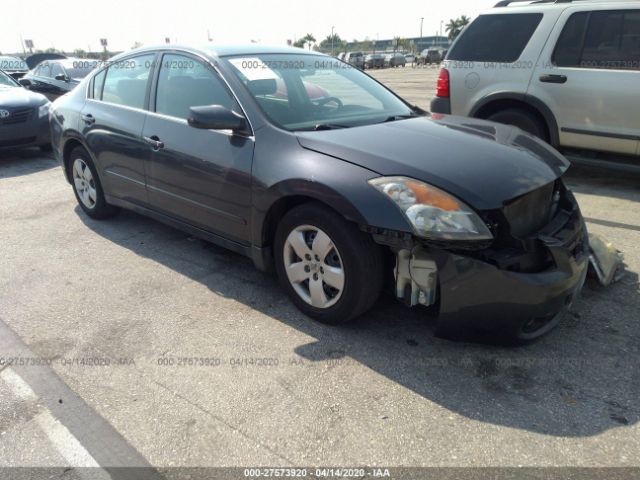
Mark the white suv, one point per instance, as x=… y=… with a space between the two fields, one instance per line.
x=567 y=72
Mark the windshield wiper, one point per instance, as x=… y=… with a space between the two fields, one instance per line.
x=393 y=118
x=329 y=126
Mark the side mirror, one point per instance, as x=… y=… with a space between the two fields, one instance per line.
x=61 y=77
x=216 y=117
x=25 y=82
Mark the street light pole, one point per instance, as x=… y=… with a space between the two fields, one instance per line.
x=332 y=28
x=421 y=23
x=441 y=22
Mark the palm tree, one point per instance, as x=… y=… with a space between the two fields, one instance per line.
x=309 y=39
x=455 y=26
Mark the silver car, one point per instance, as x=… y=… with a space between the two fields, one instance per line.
x=569 y=74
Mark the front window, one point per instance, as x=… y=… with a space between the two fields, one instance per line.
x=56 y=69
x=79 y=69
x=307 y=92
x=184 y=83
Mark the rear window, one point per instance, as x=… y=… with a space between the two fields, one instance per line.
x=497 y=38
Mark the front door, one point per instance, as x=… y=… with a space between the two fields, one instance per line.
x=199 y=176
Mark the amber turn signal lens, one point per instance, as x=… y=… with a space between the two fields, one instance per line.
x=433 y=197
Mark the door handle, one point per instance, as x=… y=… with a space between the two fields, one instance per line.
x=553 y=78
x=88 y=119
x=155 y=142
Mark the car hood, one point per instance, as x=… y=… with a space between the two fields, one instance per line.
x=18 y=97
x=483 y=163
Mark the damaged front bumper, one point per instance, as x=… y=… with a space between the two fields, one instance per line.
x=490 y=290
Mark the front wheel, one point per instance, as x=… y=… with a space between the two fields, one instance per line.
x=332 y=271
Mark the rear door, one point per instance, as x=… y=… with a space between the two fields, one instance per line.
x=112 y=121
x=202 y=177
x=589 y=76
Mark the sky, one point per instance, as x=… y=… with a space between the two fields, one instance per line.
x=80 y=24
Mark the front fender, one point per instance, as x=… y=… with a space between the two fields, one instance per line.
x=336 y=183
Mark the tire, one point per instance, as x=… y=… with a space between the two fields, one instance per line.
x=523 y=120
x=345 y=249
x=531 y=330
x=86 y=186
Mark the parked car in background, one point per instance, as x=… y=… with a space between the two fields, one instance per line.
x=53 y=78
x=355 y=58
x=462 y=215
x=568 y=74
x=410 y=58
x=394 y=60
x=24 y=116
x=432 y=55
x=14 y=66
x=341 y=55
x=374 y=60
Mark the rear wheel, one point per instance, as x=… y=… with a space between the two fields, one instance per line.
x=87 y=187
x=331 y=270
x=522 y=119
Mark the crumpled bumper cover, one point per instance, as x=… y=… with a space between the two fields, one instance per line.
x=477 y=295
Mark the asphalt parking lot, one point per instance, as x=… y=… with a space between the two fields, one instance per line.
x=160 y=349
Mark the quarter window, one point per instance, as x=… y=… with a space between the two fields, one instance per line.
x=98 y=83
x=184 y=83
x=499 y=38
x=126 y=81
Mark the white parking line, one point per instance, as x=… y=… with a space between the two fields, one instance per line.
x=64 y=442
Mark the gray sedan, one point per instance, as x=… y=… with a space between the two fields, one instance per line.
x=24 y=116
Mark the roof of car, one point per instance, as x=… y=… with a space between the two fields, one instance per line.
x=220 y=50
x=537 y=6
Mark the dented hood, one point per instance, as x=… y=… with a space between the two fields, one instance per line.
x=483 y=163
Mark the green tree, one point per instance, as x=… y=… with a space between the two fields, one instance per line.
x=299 y=43
x=79 y=53
x=455 y=26
x=326 y=44
x=309 y=40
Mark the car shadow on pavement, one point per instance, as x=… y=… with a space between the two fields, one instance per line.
x=581 y=380
x=15 y=163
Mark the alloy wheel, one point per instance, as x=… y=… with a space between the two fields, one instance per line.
x=313 y=266
x=84 y=183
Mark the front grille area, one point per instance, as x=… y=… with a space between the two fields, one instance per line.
x=19 y=115
x=527 y=214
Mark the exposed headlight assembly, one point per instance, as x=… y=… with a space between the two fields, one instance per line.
x=43 y=110
x=433 y=213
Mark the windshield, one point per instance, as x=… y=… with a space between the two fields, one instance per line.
x=80 y=68
x=310 y=92
x=7 y=80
